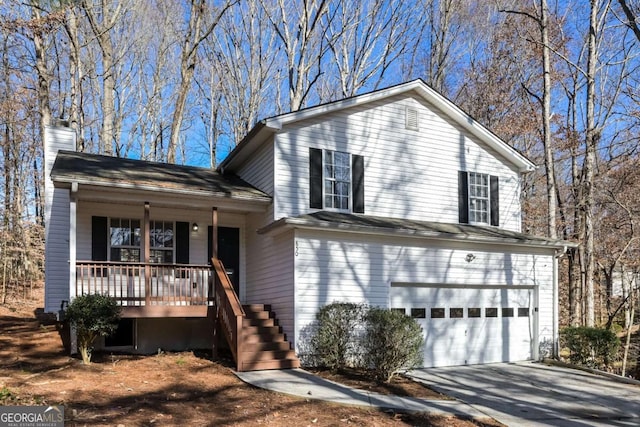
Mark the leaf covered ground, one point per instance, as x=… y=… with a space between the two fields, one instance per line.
x=165 y=389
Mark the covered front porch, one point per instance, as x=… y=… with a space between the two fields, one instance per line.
x=149 y=289
x=146 y=233
x=168 y=242
x=155 y=260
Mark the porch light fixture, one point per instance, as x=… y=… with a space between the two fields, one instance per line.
x=194 y=227
x=470 y=257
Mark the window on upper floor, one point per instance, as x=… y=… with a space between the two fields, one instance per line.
x=336 y=180
x=478 y=198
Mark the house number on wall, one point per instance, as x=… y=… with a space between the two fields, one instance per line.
x=296 y=248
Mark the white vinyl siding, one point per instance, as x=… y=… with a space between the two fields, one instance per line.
x=258 y=169
x=270 y=273
x=57 y=222
x=57 y=251
x=409 y=174
x=358 y=268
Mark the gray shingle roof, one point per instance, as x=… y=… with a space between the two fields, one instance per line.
x=339 y=221
x=94 y=169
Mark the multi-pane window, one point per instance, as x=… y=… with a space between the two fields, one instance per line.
x=479 y=198
x=161 y=242
x=337 y=179
x=125 y=240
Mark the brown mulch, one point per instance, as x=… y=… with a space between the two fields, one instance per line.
x=185 y=388
x=361 y=379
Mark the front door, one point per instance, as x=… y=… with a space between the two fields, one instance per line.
x=228 y=252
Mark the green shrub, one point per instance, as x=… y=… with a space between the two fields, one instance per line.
x=93 y=316
x=593 y=347
x=334 y=343
x=392 y=342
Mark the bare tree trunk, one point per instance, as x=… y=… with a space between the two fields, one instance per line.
x=43 y=72
x=76 y=116
x=631 y=18
x=102 y=31
x=6 y=146
x=587 y=200
x=546 y=125
x=576 y=261
x=188 y=59
x=627 y=342
x=303 y=35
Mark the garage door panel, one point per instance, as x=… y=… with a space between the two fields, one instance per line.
x=456 y=335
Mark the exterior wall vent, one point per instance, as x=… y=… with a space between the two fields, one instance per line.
x=411 y=118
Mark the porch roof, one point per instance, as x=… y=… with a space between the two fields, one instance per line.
x=346 y=222
x=95 y=170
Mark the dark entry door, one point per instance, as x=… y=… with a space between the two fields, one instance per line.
x=228 y=252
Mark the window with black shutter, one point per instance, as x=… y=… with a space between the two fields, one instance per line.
x=336 y=180
x=478 y=198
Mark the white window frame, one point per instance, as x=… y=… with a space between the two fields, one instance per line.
x=132 y=235
x=479 y=200
x=152 y=226
x=333 y=181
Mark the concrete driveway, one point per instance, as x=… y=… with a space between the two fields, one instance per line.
x=534 y=394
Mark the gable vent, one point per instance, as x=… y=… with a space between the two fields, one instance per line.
x=411 y=119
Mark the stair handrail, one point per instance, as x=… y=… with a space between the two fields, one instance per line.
x=229 y=311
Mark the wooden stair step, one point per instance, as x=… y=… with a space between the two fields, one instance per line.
x=261 y=330
x=256 y=308
x=258 y=315
x=269 y=322
x=262 y=338
x=271 y=364
x=259 y=356
x=266 y=346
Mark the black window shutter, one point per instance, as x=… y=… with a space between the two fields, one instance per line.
x=315 y=178
x=357 y=176
x=463 y=197
x=495 y=200
x=182 y=243
x=99 y=235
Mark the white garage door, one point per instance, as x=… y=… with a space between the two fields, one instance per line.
x=470 y=325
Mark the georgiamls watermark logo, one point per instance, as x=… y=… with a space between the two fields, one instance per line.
x=31 y=416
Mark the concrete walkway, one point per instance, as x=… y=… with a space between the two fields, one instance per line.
x=298 y=382
x=529 y=394
x=517 y=394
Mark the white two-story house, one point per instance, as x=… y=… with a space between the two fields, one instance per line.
x=394 y=198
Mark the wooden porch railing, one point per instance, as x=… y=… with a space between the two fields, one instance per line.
x=144 y=284
x=229 y=312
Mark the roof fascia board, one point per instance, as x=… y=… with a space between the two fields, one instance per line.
x=285 y=224
x=181 y=192
x=256 y=136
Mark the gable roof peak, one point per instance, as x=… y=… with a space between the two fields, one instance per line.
x=271 y=125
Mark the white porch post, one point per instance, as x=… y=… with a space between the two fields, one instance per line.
x=556 y=309
x=214 y=232
x=73 y=209
x=147 y=255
